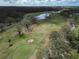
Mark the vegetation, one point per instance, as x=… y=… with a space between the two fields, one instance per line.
x=52 y=37
x=74 y=40
x=59 y=49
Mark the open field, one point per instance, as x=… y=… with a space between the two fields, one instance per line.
x=21 y=49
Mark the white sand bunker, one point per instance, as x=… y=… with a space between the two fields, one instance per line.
x=30 y=41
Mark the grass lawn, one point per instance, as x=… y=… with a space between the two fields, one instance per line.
x=21 y=49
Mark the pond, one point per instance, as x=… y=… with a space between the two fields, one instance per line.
x=42 y=16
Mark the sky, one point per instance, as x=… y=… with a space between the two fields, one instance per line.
x=39 y=3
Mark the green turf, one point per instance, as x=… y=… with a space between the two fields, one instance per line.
x=22 y=50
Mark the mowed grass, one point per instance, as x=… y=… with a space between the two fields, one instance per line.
x=21 y=49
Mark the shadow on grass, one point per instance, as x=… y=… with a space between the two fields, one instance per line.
x=53 y=19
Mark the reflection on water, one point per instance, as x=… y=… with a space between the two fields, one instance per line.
x=42 y=16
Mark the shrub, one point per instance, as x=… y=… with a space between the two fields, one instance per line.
x=58 y=46
x=75 y=39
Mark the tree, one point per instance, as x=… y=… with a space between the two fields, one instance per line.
x=76 y=18
x=59 y=49
x=19 y=30
x=10 y=42
x=65 y=15
x=2 y=27
x=75 y=39
x=28 y=21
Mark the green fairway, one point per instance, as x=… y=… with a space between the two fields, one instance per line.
x=21 y=49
